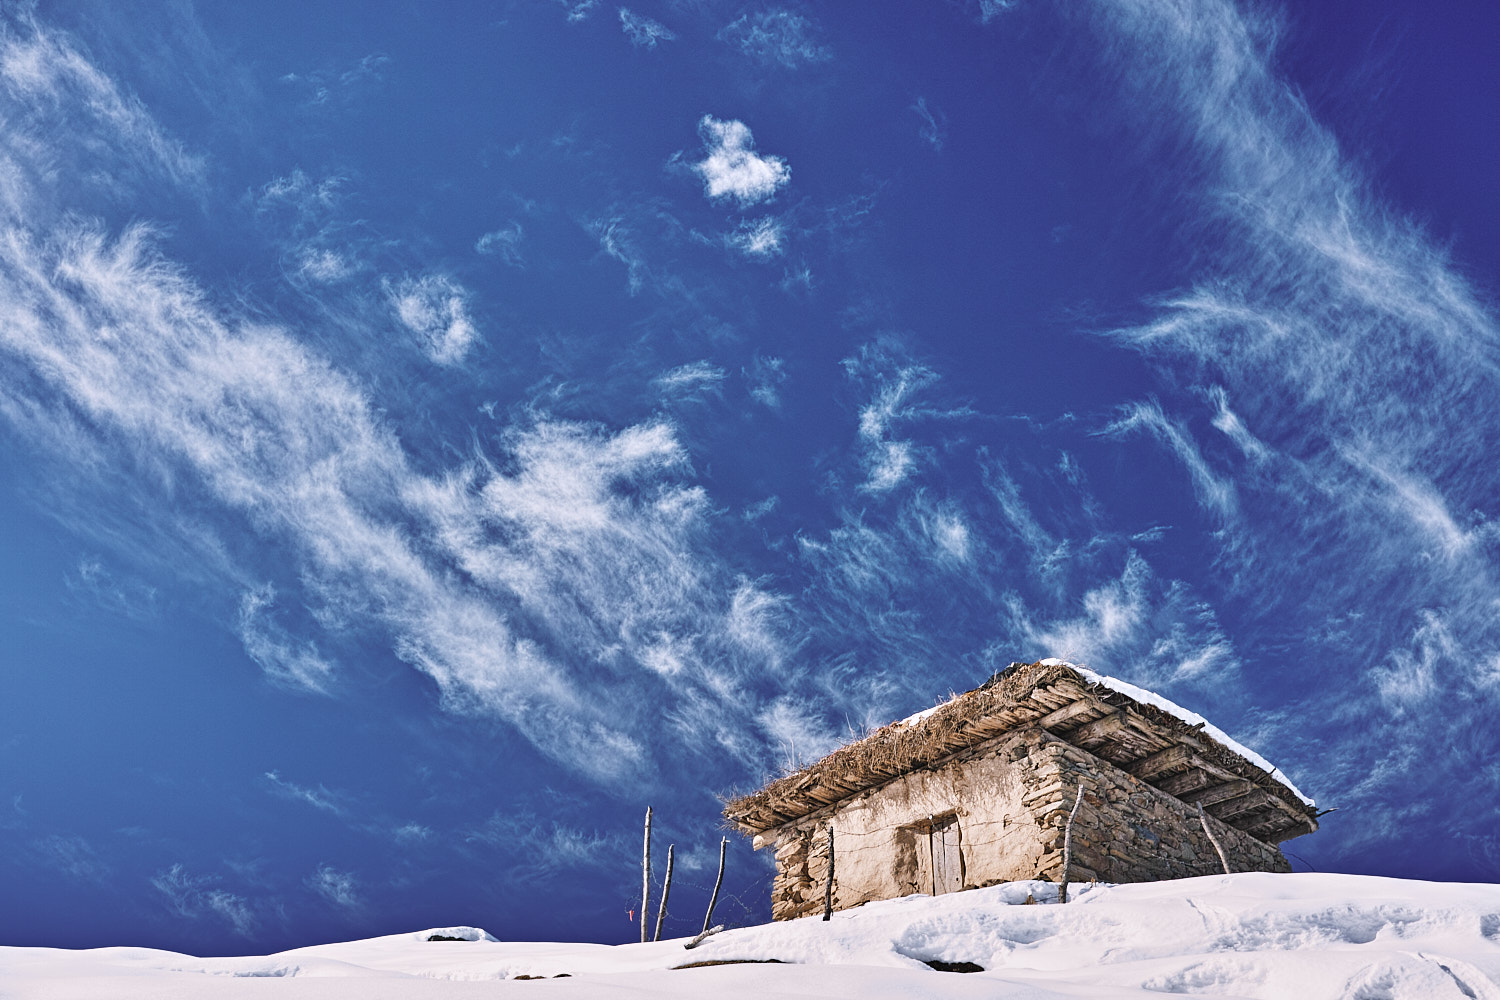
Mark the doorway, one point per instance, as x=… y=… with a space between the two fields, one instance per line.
x=947 y=858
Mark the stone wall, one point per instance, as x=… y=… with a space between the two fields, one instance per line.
x=1011 y=797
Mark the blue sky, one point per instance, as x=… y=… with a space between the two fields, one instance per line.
x=432 y=433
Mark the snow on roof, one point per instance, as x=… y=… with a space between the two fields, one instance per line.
x=912 y=720
x=1075 y=699
x=1145 y=697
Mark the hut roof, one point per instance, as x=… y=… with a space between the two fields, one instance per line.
x=1140 y=732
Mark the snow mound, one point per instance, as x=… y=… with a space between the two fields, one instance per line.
x=1250 y=935
x=454 y=934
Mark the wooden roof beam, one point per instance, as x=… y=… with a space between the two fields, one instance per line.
x=1222 y=792
x=1188 y=781
x=1170 y=759
x=1098 y=731
x=1239 y=808
x=1069 y=712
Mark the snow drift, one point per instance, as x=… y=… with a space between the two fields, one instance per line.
x=1249 y=935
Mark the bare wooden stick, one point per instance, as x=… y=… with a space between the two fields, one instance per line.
x=1062 y=892
x=707 y=933
x=828 y=886
x=646 y=876
x=723 y=845
x=666 y=887
x=1203 y=818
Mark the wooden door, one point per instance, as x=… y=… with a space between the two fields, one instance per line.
x=947 y=859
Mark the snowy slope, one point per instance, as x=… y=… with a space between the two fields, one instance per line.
x=1250 y=935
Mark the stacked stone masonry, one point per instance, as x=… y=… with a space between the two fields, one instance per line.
x=1003 y=804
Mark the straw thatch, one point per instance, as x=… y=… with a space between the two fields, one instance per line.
x=1141 y=739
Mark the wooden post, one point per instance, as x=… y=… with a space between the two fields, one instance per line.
x=1212 y=839
x=646 y=876
x=828 y=886
x=1062 y=892
x=666 y=887
x=723 y=845
x=695 y=942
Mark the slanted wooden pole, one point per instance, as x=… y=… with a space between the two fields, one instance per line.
x=646 y=876
x=695 y=942
x=712 y=900
x=1202 y=818
x=828 y=886
x=1062 y=892
x=666 y=887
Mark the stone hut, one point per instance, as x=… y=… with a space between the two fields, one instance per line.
x=979 y=789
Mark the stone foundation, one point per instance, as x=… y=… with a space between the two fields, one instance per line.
x=1010 y=798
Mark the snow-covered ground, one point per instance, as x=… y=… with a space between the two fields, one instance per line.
x=1251 y=935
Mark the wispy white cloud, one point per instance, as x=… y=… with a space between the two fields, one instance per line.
x=947 y=530
x=435 y=308
x=1215 y=493
x=643 y=31
x=341 y=889
x=122 y=595
x=302 y=212
x=193 y=897
x=1136 y=625
x=233 y=910
x=798 y=278
x=766 y=376
x=760 y=239
x=761 y=508
x=1229 y=422
x=618 y=240
x=275 y=434
x=1409 y=679
x=328 y=89
x=318 y=798
x=988 y=10
x=71 y=856
x=934 y=128
x=1044 y=549
x=543 y=848
x=578 y=10
x=732 y=169
x=759 y=621
x=778 y=36
x=504 y=243
x=324 y=266
x=1412 y=497
x=45 y=79
x=283 y=658
x=799 y=734
x=411 y=833
x=299 y=195
x=1362 y=369
x=694 y=380
x=895 y=386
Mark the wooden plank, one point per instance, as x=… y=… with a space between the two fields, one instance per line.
x=1073 y=691
x=1209 y=767
x=1274 y=834
x=1170 y=759
x=1068 y=713
x=1241 y=806
x=1267 y=800
x=1091 y=733
x=1187 y=781
x=1214 y=794
x=947 y=858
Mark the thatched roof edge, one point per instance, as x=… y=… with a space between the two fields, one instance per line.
x=1004 y=703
